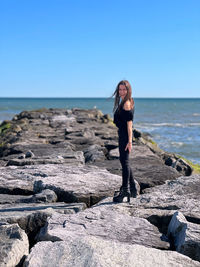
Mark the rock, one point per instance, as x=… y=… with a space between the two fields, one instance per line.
x=46 y=195
x=29 y=154
x=170 y=159
x=148 y=168
x=181 y=194
x=14 y=245
x=31 y=217
x=94 y=251
x=94 y=153
x=185 y=236
x=67 y=158
x=22 y=156
x=10 y=199
x=87 y=184
x=104 y=221
x=18 y=180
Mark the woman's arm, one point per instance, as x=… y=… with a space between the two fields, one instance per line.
x=130 y=132
x=127 y=106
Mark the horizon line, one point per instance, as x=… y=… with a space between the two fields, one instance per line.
x=66 y=97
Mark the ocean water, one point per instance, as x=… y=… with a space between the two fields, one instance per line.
x=173 y=123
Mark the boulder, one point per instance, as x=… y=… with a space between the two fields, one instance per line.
x=95 y=251
x=94 y=153
x=103 y=221
x=14 y=245
x=87 y=184
x=78 y=183
x=31 y=217
x=185 y=236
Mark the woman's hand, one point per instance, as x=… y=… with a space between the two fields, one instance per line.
x=129 y=147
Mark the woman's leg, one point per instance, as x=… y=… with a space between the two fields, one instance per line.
x=125 y=173
x=124 y=160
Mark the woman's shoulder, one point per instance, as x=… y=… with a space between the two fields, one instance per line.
x=128 y=105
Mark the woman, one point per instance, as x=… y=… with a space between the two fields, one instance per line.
x=123 y=118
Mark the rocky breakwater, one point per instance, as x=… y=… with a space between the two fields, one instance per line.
x=59 y=170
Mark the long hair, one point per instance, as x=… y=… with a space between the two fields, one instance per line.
x=128 y=96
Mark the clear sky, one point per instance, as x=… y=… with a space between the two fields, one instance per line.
x=83 y=48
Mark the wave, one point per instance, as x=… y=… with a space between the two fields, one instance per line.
x=196 y=114
x=167 y=124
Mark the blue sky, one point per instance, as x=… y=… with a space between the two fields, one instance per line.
x=83 y=48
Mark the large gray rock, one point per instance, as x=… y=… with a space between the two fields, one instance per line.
x=78 y=183
x=106 y=222
x=87 y=184
x=181 y=194
x=45 y=196
x=95 y=252
x=185 y=235
x=18 y=180
x=31 y=217
x=60 y=158
x=14 y=245
x=94 y=153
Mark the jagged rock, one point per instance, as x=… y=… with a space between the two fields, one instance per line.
x=29 y=154
x=87 y=184
x=14 y=245
x=181 y=194
x=31 y=217
x=106 y=222
x=67 y=158
x=185 y=235
x=9 y=199
x=49 y=133
x=94 y=251
x=94 y=153
x=18 y=180
x=46 y=195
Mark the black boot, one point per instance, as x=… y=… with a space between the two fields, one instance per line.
x=133 y=192
x=122 y=193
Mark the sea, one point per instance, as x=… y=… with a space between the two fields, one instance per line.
x=173 y=123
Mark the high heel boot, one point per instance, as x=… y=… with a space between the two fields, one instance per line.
x=133 y=192
x=122 y=193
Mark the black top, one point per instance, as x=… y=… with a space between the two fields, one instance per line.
x=121 y=118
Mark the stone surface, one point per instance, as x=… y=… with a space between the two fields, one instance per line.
x=31 y=217
x=59 y=136
x=87 y=184
x=72 y=155
x=185 y=235
x=181 y=194
x=18 y=180
x=96 y=252
x=60 y=158
x=14 y=245
x=104 y=222
x=45 y=196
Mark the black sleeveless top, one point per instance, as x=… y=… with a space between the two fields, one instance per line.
x=121 y=118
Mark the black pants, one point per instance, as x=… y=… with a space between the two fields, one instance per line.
x=127 y=173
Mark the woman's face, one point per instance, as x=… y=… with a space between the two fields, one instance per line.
x=122 y=91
